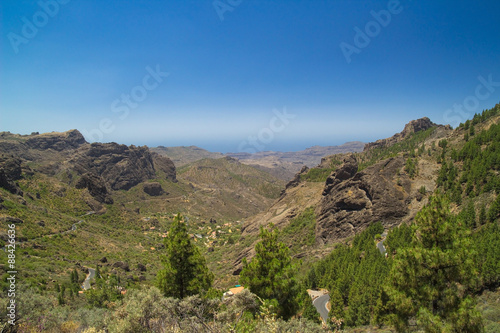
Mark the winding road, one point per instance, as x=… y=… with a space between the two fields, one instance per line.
x=380 y=245
x=73 y=228
x=91 y=275
x=320 y=304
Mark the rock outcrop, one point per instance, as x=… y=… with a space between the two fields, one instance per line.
x=153 y=189
x=58 y=141
x=10 y=171
x=99 y=167
x=164 y=166
x=413 y=126
x=353 y=200
x=123 y=265
x=96 y=187
x=296 y=179
x=121 y=166
x=10 y=219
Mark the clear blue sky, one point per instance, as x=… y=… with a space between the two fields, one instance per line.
x=231 y=68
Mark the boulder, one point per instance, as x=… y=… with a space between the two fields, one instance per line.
x=153 y=189
x=122 y=265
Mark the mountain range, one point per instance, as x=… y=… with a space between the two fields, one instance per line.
x=283 y=165
x=77 y=205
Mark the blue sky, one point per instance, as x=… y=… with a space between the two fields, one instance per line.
x=233 y=65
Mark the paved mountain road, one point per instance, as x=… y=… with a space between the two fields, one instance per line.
x=320 y=304
x=91 y=275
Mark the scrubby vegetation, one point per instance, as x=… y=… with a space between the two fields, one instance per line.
x=301 y=231
x=437 y=273
x=411 y=145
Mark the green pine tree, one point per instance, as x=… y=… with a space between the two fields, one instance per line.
x=468 y=215
x=482 y=215
x=494 y=211
x=270 y=274
x=60 y=299
x=98 y=273
x=309 y=310
x=430 y=280
x=74 y=276
x=336 y=306
x=185 y=270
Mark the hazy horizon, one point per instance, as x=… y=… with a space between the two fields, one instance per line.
x=215 y=74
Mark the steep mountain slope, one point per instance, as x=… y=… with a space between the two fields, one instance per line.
x=183 y=155
x=387 y=182
x=75 y=203
x=236 y=188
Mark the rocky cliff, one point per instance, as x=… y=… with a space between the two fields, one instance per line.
x=99 y=167
x=10 y=171
x=57 y=141
x=353 y=200
x=413 y=126
x=350 y=199
x=121 y=166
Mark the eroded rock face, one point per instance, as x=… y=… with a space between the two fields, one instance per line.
x=10 y=171
x=96 y=186
x=353 y=200
x=57 y=141
x=153 y=189
x=165 y=166
x=121 y=166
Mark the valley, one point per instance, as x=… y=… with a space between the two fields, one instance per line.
x=107 y=209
